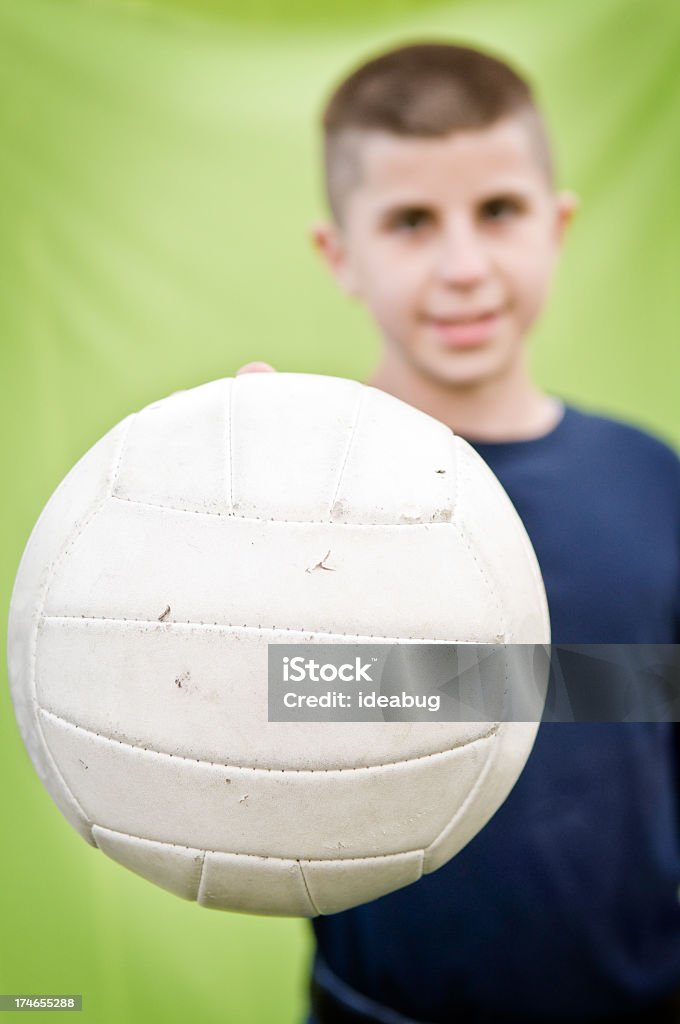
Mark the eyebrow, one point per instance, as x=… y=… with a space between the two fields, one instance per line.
x=388 y=213
x=519 y=191
x=501 y=191
x=519 y=195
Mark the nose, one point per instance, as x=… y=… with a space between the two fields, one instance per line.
x=461 y=259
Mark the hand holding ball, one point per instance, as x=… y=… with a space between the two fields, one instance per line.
x=176 y=550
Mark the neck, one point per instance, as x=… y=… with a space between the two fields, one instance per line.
x=508 y=407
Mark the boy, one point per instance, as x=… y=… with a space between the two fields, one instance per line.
x=446 y=225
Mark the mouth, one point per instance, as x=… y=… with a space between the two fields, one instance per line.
x=464 y=329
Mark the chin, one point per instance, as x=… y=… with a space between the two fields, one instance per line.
x=464 y=370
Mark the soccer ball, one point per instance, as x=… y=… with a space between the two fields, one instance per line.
x=199 y=531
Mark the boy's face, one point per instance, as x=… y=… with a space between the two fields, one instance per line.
x=451 y=244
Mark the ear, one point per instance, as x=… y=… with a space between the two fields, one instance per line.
x=328 y=241
x=567 y=205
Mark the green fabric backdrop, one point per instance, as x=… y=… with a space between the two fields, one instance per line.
x=158 y=171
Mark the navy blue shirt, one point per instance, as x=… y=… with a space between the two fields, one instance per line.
x=567 y=901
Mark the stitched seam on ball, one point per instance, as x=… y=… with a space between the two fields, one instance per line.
x=273 y=771
x=534 y=567
x=472 y=795
x=115 y=469
x=79 y=529
x=261 y=856
x=487 y=582
x=274 y=519
x=309 y=895
x=536 y=574
x=201 y=876
x=350 y=443
x=168 y=623
x=229 y=445
x=482 y=571
x=456 y=482
x=40 y=617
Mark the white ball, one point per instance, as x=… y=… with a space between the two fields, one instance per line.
x=176 y=550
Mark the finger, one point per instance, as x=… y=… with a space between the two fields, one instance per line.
x=256 y=368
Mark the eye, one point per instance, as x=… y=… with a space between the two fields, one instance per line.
x=501 y=208
x=409 y=219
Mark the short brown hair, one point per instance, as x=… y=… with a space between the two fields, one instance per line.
x=423 y=90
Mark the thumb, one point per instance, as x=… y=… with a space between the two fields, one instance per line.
x=255 y=368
